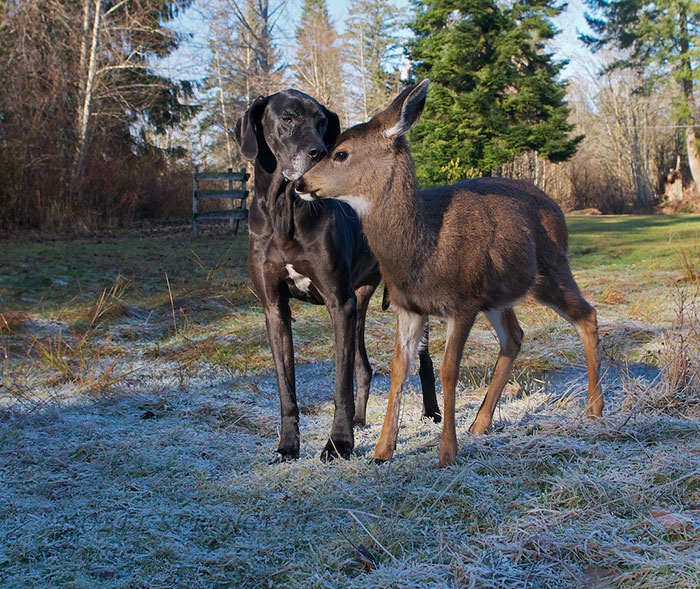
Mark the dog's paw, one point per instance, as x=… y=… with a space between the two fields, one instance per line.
x=359 y=422
x=434 y=417
x=281 y=456
x=335 y=449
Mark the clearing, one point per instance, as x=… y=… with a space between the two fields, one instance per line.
x=138 y=412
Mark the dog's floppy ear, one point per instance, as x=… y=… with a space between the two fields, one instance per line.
x=333 y=128
x=248 y=131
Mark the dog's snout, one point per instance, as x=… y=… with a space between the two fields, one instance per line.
x=317 y=153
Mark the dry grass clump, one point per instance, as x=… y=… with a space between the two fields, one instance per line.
x=676 y=391
x=12 y=321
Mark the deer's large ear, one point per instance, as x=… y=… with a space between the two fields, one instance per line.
x=406 y=109
x=333 y=128
x=248 y=129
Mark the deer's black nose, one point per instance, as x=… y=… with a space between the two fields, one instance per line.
x=317 y=153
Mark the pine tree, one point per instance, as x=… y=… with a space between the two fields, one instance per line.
x=246 y=63
x=494 y=92
x=318 y=61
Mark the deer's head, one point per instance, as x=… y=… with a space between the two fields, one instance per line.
x=365 y=157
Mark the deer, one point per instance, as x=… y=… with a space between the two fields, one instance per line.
x=477 y=246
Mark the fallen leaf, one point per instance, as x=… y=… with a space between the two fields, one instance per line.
x=598 y=576
x=671 y=522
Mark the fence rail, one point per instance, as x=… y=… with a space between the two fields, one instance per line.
x=235 y=193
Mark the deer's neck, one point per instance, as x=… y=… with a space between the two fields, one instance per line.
x=397 y=230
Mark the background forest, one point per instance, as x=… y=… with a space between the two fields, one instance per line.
x=102 y=120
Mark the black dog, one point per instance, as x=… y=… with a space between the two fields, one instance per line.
x=315 y=252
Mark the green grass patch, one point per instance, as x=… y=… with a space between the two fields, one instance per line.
x=636 y=244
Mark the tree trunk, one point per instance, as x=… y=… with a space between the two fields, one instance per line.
x=87 y=94
x=687 y=89
x=224 y=114
x=691 y=142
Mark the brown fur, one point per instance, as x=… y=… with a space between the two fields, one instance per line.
x=454 y=251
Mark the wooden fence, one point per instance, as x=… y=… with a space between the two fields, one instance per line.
x=235 y=192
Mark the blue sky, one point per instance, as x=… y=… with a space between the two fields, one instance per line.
x=189 y=63
x=566 y=44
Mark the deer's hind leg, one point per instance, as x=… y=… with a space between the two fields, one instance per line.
x=563 y=295
x=510 y=337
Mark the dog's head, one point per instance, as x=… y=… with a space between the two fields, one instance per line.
x=289 y=131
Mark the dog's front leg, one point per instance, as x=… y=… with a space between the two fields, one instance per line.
x=278 y=319
x=342 y=442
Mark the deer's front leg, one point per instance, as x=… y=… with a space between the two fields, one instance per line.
x=409 y=330
x=458 y=329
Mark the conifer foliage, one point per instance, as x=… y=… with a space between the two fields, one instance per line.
x=495 y=88
x=317 y=65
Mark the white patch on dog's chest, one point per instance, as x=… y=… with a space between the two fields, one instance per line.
x=303 y=283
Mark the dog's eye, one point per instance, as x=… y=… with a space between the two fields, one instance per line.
x=340 y=156
x=287 y=120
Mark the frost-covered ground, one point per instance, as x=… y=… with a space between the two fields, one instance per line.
x=136 y=427
x=163 y=481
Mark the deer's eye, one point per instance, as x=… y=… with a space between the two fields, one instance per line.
x=340 y=156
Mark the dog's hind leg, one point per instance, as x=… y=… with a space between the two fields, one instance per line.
x=363 y=369
x=427 y=378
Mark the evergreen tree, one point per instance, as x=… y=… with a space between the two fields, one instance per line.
x=662 y=40
x=494 y=91
x=246 y=63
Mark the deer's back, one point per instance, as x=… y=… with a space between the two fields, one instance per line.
x=485 y=241
x=498 y=210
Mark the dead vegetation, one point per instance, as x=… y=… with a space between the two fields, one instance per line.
x=135 y=434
